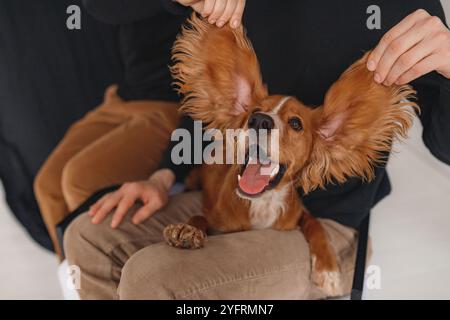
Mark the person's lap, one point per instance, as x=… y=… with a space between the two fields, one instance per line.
x=119 y=141
x=132 y=262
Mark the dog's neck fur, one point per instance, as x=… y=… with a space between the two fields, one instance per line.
x=266 y=209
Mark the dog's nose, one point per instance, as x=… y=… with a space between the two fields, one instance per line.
x=259 y=121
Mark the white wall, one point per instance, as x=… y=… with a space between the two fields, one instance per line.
x=446 y=5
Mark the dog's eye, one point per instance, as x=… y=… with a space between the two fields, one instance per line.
x=296 y=124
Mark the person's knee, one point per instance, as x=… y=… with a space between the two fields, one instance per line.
x=74 y=183
x=79 y=235
x=39 y=184
x=47 y=181
x=232 y=266
x=151 y=273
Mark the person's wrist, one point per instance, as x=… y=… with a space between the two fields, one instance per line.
x=165 y=178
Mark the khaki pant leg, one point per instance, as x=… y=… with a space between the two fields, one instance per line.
x=130 y=152
x=47 y=184
x=117 y=142
x=101 y=252
x=262 y=264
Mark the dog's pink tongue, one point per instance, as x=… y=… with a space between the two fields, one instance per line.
x=252 y=181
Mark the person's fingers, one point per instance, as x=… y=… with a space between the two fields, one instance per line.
x=394 y=33
x=94 y=208
x=409 y=59
x=143 y=213
x=236 y=18
x=198 y=6
x=425 y=66
x=153 y=200
x=396 y=49
x=227 y=13
x=122 y=209
x=219 y=7
x=208 y=7
x=106 y=208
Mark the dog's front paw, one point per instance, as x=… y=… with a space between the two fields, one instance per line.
x=326 y=275
x=184 y=236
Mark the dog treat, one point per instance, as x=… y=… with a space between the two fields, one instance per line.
x=184 y=236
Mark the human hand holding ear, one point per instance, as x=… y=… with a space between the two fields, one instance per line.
x=153 y=193
x=218 y=12
x=419 y=44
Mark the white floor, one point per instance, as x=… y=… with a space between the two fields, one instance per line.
x=26 y=270
x=410 y=231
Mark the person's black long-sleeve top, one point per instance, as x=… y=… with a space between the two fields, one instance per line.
x=146 y=32
x=303 y=47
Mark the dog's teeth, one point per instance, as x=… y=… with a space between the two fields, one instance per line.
x=239 y=177
x=275 y=170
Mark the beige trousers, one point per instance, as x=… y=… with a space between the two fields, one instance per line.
x=117 y=142
x=133 y=262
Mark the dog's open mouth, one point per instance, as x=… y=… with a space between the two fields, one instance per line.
x=259 y=174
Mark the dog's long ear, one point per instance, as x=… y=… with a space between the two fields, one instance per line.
x=355 y=127
x=217 y=72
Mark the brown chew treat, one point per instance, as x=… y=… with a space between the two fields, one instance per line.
x=184 y=236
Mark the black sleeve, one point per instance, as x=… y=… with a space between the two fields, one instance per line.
x=433 y=93
x=180 y=170
x=127 y=11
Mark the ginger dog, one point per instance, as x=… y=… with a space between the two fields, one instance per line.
x=217 y=72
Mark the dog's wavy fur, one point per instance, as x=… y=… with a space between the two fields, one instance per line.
x=203 y=72
x=372 y=116
x=217 y=73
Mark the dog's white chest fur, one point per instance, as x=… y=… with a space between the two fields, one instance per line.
x=265 y=210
